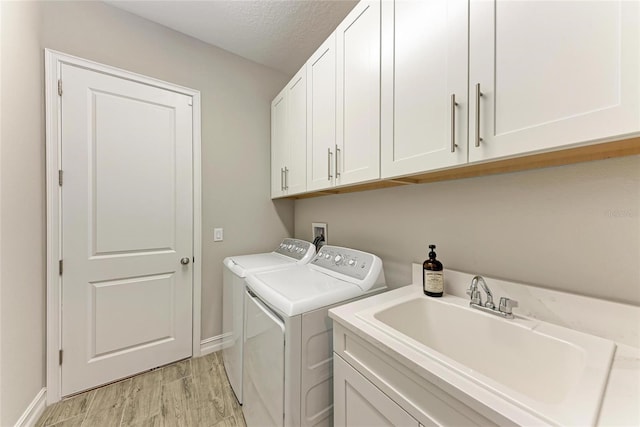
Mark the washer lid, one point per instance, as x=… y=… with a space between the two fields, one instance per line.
x=289 y=252
x=245 y=264
x=300 y=289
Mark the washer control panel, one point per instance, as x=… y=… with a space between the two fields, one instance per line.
x=346 y=261
x=294 y=248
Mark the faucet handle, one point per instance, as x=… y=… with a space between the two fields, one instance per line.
x=506 y=305
x=476 y=298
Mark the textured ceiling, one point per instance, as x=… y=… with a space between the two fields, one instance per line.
x=279 y=34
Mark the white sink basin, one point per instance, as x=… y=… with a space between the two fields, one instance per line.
x=555 y=373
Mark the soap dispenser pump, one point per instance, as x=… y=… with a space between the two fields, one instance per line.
x=432 y=275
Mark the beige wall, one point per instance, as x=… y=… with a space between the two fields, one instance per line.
x=236 y=96
x=22 y=220
x=572 y=228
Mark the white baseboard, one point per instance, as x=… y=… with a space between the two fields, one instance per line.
x=35 y=409
x=213 y=344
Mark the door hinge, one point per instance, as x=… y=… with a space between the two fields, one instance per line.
x=60 y=357
x=60 y=87
x=60 y=178
x=60 y=267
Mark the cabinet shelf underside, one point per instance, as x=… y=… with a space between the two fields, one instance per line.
x=600 y=151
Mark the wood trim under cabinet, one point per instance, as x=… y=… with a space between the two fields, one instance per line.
x=602 y=151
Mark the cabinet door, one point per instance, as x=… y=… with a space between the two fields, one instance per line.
x=321 y=115
x=279 y=143
x=424 y=64
x=551 y=74
x=357 y=402
x=296 y=168
x=357 y=155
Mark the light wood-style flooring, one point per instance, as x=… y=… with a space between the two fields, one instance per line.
x=192 y=392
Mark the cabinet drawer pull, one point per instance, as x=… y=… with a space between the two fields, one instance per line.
x=337 y=152
x=478 y=95
x=329 y=155
x=453 y=122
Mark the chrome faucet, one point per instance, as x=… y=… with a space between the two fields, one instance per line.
x=504 y=308
x=473 y=290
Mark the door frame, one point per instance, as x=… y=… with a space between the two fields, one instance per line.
x=53 y=65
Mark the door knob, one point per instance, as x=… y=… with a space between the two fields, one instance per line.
x=184 y=261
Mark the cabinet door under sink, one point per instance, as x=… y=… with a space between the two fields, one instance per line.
x=367 y=405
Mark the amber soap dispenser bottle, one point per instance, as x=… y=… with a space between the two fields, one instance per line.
x=432 y=275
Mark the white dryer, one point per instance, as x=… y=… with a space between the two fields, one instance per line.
x=289 y=253
x=288 y=363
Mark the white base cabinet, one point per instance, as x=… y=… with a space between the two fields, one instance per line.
x=360 y=403
x=370 y=387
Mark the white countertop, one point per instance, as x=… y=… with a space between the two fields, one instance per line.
x=613 y=321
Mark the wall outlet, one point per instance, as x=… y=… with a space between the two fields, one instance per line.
x=218 y=235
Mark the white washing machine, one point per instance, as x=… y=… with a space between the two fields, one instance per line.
x=289 y=253
x=288 y=363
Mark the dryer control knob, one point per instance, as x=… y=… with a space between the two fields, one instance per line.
x=337 y=259
x=352 y=262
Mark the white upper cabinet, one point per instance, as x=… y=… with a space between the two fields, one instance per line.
x=424 y=85
x=296 y=172
x=278 y=143
x=321 y=116
x=289 y=138
x=405 y=87
x=551 y=74
x=357 y=151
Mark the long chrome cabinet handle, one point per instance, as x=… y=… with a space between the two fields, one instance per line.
x=453 y=122
x=282 y=179
x=478 y=95
x=337 y=170
x=286 y=178
x=329 y=154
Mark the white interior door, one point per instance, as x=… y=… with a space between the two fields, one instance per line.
x=127 y=221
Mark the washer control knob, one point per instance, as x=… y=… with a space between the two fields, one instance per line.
x=327 y=256
x=338 y=259
x=320 y=254
x=352 y=262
